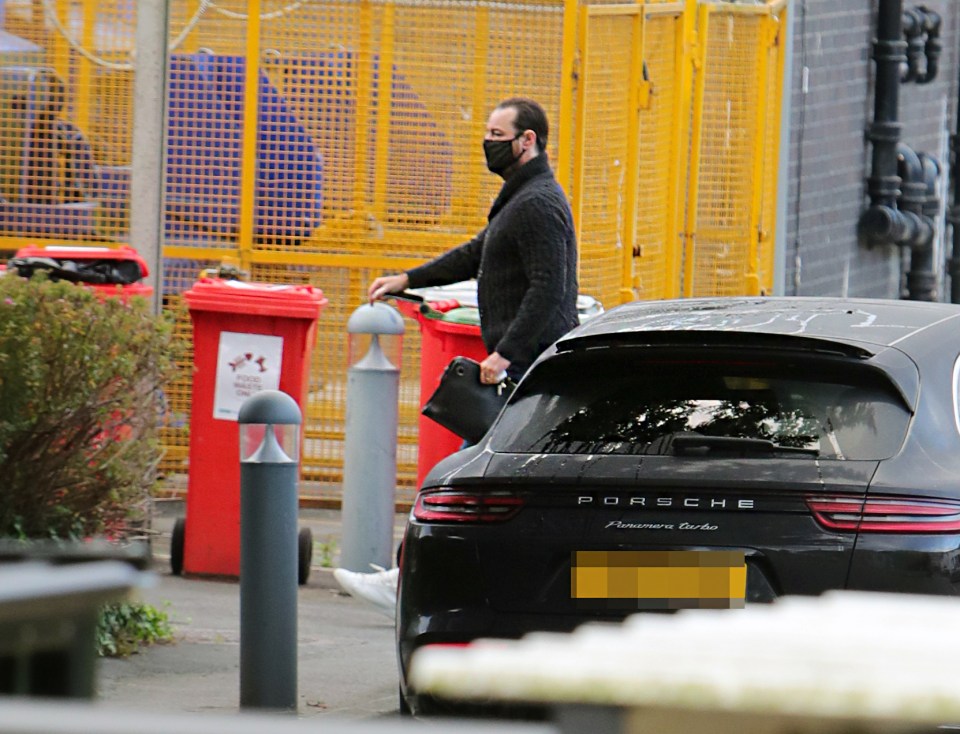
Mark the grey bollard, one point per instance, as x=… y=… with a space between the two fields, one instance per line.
x=370 y=445
x=269 y=469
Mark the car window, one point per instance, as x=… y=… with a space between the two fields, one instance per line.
x=619 y=402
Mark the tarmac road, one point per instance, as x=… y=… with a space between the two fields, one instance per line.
x=346 y=659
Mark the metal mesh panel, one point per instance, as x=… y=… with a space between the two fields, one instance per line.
x=24 y=19
x=773 y=96
x=110 y=120
x=221 y=27
x=431 y=49
x=317 y=58
x=727 y=157
x=64 y=173
x=602 y=183
x=394 y=105
x=175 y=431
x=178 y=275
x=205 y=111
x=655 y=266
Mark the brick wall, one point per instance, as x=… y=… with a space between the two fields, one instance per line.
x=830 y=155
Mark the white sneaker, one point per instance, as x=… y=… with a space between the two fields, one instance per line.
x=378 y=588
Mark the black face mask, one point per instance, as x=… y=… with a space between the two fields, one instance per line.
x=499 y=154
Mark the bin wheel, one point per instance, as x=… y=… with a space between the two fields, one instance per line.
x=176 y=546
x=304 y=555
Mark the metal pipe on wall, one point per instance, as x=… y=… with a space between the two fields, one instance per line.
x=913 y=32
x=882 y=223
x=902 y=184
x=932 y=46
x=922 y=278
x=918 y=173
x=953 y=216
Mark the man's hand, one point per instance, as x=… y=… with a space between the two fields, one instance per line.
x=493 y=368
x=387 y=284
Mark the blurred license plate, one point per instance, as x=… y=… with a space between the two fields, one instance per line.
x=658 y=579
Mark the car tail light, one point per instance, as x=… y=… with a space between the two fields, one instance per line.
x=886 y=515
x=460 y=505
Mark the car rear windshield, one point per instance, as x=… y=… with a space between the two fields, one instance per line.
x=617 y=401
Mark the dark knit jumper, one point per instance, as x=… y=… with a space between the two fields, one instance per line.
x=525 y=263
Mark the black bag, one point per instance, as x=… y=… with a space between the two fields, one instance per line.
x=464 y=405
x=95 y=270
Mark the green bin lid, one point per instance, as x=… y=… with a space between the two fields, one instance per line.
x=463 y=315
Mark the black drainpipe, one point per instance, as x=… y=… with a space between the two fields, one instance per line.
x=953 y=216
x=882 y=223
x=932 y=46
x=902 y=194
x=919 y=197
x=913 y=32
x=921 y=28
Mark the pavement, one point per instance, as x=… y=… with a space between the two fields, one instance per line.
x=346 y=655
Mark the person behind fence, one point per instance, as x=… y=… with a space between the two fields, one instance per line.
x=525 y=264
x=524 y=260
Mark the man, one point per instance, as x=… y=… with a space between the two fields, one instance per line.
x=524 y=260
x=525 y=263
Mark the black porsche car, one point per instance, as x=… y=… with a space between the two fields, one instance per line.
x=697 y=453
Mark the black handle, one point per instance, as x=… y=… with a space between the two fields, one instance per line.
x=405 y=296
x=425 y=308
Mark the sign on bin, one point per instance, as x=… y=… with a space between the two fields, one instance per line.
x=246 y=365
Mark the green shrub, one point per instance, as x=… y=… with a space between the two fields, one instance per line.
x=123 y=628
x=80 y=404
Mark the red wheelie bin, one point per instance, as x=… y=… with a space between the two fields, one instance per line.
x=247 y=337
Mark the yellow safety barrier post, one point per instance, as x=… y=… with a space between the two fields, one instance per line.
x=251 y=104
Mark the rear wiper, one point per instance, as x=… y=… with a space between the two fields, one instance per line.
x=682 y=442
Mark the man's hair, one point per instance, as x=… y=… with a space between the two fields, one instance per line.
x=530 y=116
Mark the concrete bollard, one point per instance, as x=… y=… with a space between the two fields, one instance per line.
x=269 y=469
x=370 y=445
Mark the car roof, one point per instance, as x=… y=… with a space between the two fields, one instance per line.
x=879 y=322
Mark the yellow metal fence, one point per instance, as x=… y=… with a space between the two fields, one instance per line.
x=328 y=141
x=735 y=125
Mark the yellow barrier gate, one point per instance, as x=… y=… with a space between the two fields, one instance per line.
x=328 y=141
x=731 y=202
